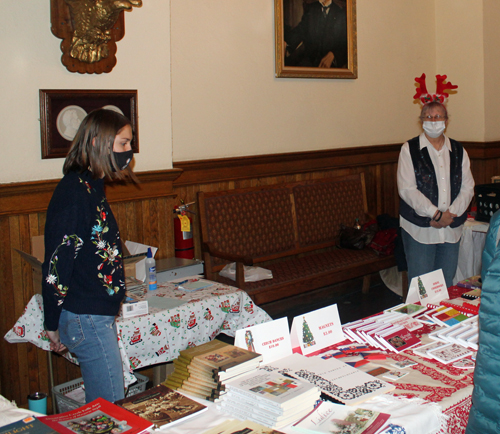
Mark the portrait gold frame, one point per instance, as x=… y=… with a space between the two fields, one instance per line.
x=282 y=71
x=53 y=102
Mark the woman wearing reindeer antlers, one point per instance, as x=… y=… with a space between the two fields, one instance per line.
x=435 y=185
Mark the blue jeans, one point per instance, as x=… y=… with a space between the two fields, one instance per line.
x=93 y=340
x=424 y=258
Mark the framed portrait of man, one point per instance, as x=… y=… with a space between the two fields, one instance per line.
x=315 y=38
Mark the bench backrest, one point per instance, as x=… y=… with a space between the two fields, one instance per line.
x=274 y=221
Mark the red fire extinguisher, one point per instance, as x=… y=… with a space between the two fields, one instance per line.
x=183 y=232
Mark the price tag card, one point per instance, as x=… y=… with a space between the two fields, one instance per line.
x=317 y=330
x=428 y=288
x=271 y=339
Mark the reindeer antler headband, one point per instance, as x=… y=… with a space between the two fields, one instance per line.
x=440 y=95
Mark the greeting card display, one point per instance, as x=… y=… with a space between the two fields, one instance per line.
x=317 y=330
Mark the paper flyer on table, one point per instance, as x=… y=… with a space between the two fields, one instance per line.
x=428 y=288
x=316 y=330
x=271 y=339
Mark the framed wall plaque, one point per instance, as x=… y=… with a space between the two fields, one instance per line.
x=62 y=111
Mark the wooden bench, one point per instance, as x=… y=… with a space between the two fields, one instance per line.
x=291 y=229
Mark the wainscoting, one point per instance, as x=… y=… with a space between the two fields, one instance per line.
x=144 y=214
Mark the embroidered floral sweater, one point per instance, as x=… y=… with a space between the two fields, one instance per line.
x=83 y=268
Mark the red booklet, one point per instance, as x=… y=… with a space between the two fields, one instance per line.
x=98 y=416
x=399 y=339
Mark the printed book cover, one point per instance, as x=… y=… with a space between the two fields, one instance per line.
x=410 y=309
x=98 y=416
x=28 y=425
x=329 y=417
x=333 y=377
x=449 y=317
x=162 y=406
x=473 y=282
x=227 y=359
x=273 y=388
x=188 y=354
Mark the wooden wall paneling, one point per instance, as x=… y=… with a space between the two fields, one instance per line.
x=133 y=213
x=9 y=357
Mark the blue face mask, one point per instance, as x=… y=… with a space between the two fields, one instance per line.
x=122 y=159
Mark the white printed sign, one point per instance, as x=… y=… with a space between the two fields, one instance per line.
x=428 y=288
x=317 y=330
x=271 y=339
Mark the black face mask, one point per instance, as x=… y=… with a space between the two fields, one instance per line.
x=122 y=159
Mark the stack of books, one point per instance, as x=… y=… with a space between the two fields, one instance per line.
x=203 y=370
x=269 y=398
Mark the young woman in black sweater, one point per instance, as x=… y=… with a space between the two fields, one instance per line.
x=84 y=282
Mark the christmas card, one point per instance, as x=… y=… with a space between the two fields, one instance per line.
x=317 y=330
x=449 y=353
x=422 y=350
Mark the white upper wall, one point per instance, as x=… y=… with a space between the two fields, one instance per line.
x=491 y=69
x=204 y=72
x=226 y=100
x=31 y=60
x=460 y=55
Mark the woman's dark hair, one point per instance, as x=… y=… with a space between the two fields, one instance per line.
x=92 y=146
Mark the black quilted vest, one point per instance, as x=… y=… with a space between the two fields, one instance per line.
x=427 y=183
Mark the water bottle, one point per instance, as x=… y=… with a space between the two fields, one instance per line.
x=150 y=271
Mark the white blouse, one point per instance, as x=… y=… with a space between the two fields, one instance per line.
x=407 y=187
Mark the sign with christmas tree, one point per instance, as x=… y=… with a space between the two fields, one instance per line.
x=428 y=288
x=316 y=330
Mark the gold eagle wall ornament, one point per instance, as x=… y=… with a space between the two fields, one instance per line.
x=89 y=29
